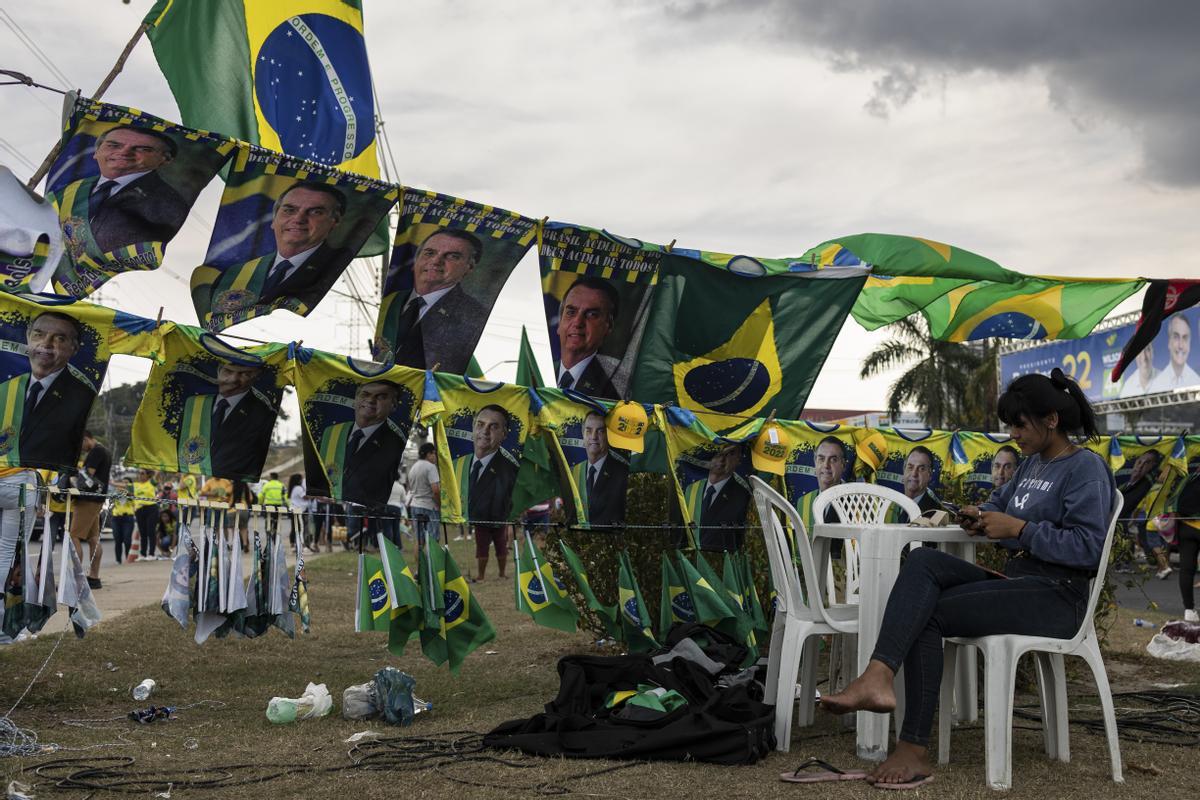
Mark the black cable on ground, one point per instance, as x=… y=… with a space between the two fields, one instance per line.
x=438 y=752
x=1169 y=718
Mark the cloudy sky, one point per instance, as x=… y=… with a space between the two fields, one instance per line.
x=1054 y=137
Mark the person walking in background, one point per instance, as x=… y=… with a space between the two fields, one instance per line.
x=272 y=496
x=92 y=483
x=145 y=513
x=425 y=489
x=1187 y=536
x=122 y=520
x=298 y=505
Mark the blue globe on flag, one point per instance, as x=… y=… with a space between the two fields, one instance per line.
x=536 y=593
x=729 y=386
x=377 y=591
x=1009 y=325
x=314 y=88
x=631 y=611
x=453 y=603
x=681 y=607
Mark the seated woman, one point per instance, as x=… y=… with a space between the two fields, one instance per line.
x=1052 y=517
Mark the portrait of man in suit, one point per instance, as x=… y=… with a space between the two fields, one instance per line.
x=601 y=478
x=232 y=425
x=439 y=322
x=362 y=458
x=585 y=319
x=128 y=202
x=486 y=477
x=1004 y=465
x=719 y=503
x=45 y=410
x=918 y=474
x=829 y=466
x=303 y=265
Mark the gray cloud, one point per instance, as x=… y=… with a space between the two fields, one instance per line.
x=1102 y=60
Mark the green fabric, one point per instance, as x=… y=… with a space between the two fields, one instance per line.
x=372 y=596
x=404 y=597
x=464 y=625
x=538 y=591
x=202 y=49
x=607 y=614
x=737 y=623
x=634 y=617
x=528 y=373
x=676 y=603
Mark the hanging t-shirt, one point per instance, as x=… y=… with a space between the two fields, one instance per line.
x=914 y=463
x=595 y=475
x=209 y=407
x=53 y=358
x=480 y=431
x=356 y=417
x=711 y=481
x=983 y=461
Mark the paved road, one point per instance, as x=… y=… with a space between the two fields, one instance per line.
x=1165 y=592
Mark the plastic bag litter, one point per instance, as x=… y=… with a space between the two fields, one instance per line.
x=389 y=695
x=1178 y=641
x=315 y=702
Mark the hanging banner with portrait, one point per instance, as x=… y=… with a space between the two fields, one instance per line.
x=712 y=482
x=356 y=417
x=479 y=431
x=916 y=463
x=53 y=358
x=983 y=462
x=595 y=472
x=286 y=231
x=209 y=407
x=123 y=184
x=450 y=260
x=817 y=456
x=727 y=336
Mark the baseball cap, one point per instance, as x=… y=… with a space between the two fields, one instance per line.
x=626 y=424
x=871 y=449
x=770 y=449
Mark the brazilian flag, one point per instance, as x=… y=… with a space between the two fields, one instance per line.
x=708 y=603
x=464 y=626
x=737 y=623
x=963 y=295
x=373 y=606
x=539 y=593
x=607 y=614
x=404 y=596
x=676 y=605
x=735 y=335
x=291 y=76
x=634 y=617
x=431 y=572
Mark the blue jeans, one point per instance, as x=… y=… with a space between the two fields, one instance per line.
x=428 y=522
x=938 y=595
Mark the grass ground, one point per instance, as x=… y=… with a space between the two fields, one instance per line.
x=513 y=678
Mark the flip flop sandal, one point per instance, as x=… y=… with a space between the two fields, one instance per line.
x=819 y=771
x=916 y=782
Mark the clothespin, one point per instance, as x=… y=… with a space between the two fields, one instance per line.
x=158 y=319
x=671 y=245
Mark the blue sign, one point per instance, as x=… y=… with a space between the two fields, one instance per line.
x=1171 y=361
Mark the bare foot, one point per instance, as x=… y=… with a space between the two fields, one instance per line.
x=871 y=691
x=905 y=763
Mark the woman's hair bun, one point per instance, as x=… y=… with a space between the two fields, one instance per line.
x=1059 y=379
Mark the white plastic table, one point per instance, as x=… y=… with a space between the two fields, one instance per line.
x=879 y=548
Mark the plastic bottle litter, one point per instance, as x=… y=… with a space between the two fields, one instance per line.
x=315 y=702
x=388 y=695
x=144 y=689
x=1141 y=623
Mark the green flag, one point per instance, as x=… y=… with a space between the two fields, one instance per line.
x=710 y=606
x=431 y=573
x=750 y=600
x=528 y=373
x=607 y=614
x=539 y=592
x=738 y=624
x=676 y=605
x=635 y=619
x=963 y=295
x=474 y=370
x=464 y=626
x=373 y=603
x=404 y=596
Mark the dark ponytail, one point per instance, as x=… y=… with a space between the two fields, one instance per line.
x=1033 y=397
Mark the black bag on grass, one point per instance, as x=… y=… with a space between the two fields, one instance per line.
x=718 y=724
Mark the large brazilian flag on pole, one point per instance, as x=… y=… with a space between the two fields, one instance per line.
x=288 y=75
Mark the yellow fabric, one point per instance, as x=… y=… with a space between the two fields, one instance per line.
x=123 y=507
x=143 y=493
x=217 y=489
x=272 y=493
x=187 y=487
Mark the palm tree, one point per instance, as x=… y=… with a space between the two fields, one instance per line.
x=939 y=381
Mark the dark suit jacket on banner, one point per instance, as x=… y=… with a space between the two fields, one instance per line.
x=594 y=382
x=371 y=470
x=445 y=336
x=490 y=500
x=240 y=444
x=147 y=210
x=606 y=503
x=52 y=433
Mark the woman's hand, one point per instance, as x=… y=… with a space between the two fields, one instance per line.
x=968 y=519
x=998 y=525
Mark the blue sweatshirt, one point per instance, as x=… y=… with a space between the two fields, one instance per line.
x=1066 y=504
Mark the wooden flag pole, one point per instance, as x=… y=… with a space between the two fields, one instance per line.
x=100 y=90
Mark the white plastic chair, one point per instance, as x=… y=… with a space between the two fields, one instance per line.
x=858 y=504
x=797 y=622
x=1000 y=655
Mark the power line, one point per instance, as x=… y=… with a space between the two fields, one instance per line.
x=33 y=47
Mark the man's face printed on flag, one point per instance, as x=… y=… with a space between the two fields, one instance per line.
x=302 y=220
x=125 y=151
x=373 y=403
x=52 y=341
x=442 y=262
x=595 y=438
x=489 y=431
